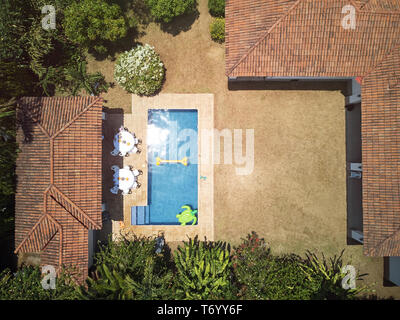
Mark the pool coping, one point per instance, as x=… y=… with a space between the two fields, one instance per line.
x=204 y=104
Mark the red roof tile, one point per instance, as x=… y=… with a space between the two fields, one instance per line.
x=59 y=178
x=307 y=39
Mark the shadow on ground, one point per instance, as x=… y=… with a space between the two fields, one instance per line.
x=353 y=186
x=180 y=24
x=290 y=85
x=113 y=48
x=114 y=210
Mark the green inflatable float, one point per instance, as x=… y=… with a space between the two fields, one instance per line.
x=187 y=215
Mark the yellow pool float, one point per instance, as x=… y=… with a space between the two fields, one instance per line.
x=184 y=161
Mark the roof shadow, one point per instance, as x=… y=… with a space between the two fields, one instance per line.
x=319 y=85
x=114 y=202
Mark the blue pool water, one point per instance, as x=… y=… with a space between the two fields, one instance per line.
x=171 y=135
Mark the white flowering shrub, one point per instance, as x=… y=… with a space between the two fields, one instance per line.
x=140 y=70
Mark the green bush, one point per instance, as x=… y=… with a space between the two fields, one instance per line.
x=130 y=269
x=106 y=284
x=167 y=10
x=261 y=275
x=216 y=8
x=154 y=284
x=130 y=253
x=25 y=284
x=203 y=269
x=92 y=23
x=217 y=30
x=140 y=70
x=327 y=277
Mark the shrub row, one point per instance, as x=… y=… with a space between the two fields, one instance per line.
x=133 y=269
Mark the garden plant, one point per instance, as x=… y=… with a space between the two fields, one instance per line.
x=140 y=70
x=136 y=268
x=92 y=23
x=217 y=30
x=203 y=269
x=217 y=8
x=166 y=10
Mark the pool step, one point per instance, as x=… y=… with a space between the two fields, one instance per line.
x=140 y=215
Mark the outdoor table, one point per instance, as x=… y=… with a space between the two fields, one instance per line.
x=125 y=142
x=125 y=180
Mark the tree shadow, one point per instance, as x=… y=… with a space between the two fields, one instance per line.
x=136 y=7
x=180 y=24
x=115 y=47
x=27 y=117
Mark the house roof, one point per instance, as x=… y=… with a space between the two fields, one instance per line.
x=58 y=197
x=305 y=38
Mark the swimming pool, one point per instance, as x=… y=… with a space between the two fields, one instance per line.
x=171 y=135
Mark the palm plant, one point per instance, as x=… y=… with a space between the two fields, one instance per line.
x=153 y=285
x=77 y=76
x=106 y=284
x=203 y=269
x=330 y=275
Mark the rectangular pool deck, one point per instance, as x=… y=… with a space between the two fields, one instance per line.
x=137 y=122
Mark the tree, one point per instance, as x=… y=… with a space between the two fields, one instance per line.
x=92 y=23
x=167 y=10
x=217 y=8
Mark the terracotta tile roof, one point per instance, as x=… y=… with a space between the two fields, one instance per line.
x=307 y=39
x=378 y=6
x=59 y=187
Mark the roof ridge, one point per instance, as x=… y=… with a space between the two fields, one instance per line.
x=375 y=66
x=76 y=117
x=361 y=8
x=33 y=229
x=255 y=45
x=355 y=5
x=377 y=249
x=58 y=195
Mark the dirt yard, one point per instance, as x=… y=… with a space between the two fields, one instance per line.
x=296 y=196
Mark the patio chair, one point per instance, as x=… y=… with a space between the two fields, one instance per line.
x=114 y=168
x=136 y=172
x=136 y=185
x=135 y=150
x=115 y=152
x=114 y=190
